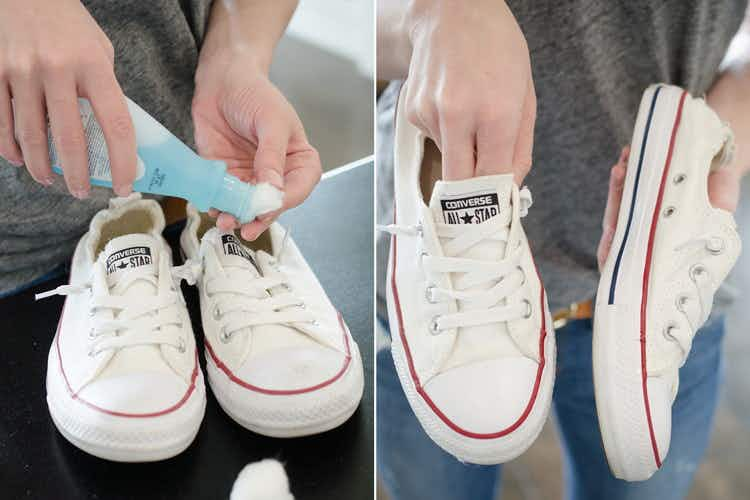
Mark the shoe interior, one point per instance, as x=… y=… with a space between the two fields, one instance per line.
x=431 y=170
x=134 y=221
x=263 y=242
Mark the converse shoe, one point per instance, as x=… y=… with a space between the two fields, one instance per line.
x=280 y=359
x=123 y=380
x=670 y=253
x=472 y=334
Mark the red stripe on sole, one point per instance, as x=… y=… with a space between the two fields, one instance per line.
x=647 y=274
x=285 y=392
x=74 y=395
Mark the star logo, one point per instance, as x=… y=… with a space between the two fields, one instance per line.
x=122 y=265
x=467 y=218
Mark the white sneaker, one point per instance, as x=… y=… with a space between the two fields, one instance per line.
x=280 y=359
x=670 y=253
x=123 y=380
x=472 y=336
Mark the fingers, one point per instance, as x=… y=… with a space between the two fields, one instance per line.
x=522 y=154
x=111 y=111
x=612 y=209
x=255 y=228
x=302 y=175
x=8 y=146
x=31 y=128
x=226 y=222
x=724 y=189
x=68 y=136
x=457 y=148
x=273 y=139
x=505 y=136
x=303 y=171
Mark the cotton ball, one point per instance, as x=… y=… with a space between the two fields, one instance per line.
x=264 y=480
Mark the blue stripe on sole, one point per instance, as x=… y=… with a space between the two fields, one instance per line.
x=613 y=284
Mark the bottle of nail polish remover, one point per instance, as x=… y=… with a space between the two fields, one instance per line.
x=166 y=166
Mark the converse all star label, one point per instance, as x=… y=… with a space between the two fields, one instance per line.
x=129 y=258
x=473 y=209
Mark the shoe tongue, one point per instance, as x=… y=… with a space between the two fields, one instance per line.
x=230 y=250
x=129 y=254
x=236 y=257
x=133 y=254
x=471 y=201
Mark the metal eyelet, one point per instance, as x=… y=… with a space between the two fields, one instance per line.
x=668 y=331
x=697 y=270
x=523 y=275
x=91 y=353
x=314 y=322
x=428 y=293
x=286 y=287
x=681 y=302
x=216 y=313
x=420 y=230
x=224 y=336
x=92 y=335
x=679 y=178
x=91 y=313
x=434 y=327
x=715 y=245
x=669 y=211
x=528 y=312
x=181 y=345
x=302 y=305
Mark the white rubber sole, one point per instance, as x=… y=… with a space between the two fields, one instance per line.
x=617 y=357
x=124 y=439
x=286 y=416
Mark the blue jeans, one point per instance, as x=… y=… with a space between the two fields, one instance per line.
x=412 y=467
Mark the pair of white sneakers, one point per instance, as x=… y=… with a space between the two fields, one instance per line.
x=472 y=335
x=124 y=381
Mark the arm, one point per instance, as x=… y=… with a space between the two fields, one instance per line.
x=470 y=87
x=240 y=116
x=730 y=98
x=249 y=31
x=393 y=44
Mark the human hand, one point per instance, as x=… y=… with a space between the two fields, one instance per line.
x=723 y=192
x=241 y=118
x=470 y=86
x=51 y=53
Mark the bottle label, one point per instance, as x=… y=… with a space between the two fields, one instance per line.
x=98 y=155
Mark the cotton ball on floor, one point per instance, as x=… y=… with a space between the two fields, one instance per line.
x=264 y=480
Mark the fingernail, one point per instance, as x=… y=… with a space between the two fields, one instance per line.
x=272 y=177
x=81 y=194
x=16 y=163
x=124 y=190
x=48 y=181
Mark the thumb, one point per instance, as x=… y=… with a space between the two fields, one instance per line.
x=270 y=158
x=612 y=209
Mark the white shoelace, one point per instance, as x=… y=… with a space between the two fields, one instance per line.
x=701 y=294
x=484 y=305
x=242 y=299
x=141 y=320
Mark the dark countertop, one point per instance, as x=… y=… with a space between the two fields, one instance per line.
x=334 y=231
